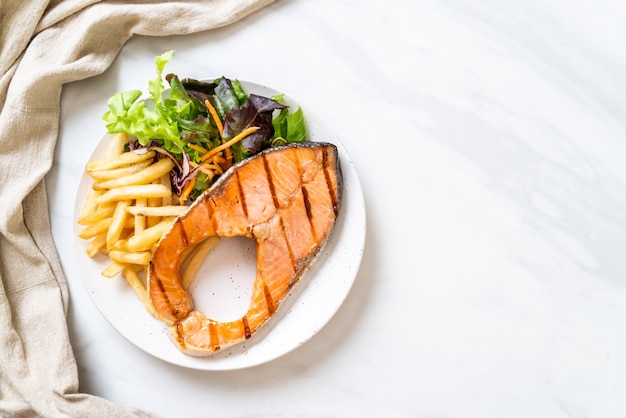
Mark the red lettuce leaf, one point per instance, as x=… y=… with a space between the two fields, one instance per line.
x=257 y=112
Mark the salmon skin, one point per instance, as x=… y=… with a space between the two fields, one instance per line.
x=285 y=198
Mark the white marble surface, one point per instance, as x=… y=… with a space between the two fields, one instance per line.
x=490 y=141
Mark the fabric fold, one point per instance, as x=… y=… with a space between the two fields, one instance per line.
x=44 y=45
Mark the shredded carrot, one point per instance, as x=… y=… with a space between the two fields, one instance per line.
x=220 y=162
x=218 y=169
x=218 y=159
x=215 y=169
x=210 y=173
x=229 y=156
x=213 y=163
x=197 y=148
x=186 y=191
x=227 y=160
x=220 y=127
x=225 y=145
x=216 y=118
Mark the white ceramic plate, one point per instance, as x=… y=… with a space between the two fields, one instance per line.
x=223 y=285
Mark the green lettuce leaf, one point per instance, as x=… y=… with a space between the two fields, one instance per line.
x=155 y=86
x=291 y=127
x=178 y=123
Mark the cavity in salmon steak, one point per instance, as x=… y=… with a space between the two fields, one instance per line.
x=285 y=198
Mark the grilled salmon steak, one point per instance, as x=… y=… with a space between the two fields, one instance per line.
x=286 y=199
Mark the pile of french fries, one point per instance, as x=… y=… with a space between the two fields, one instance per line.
x=128 y=208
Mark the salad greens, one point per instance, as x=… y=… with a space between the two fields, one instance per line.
x=190 y=121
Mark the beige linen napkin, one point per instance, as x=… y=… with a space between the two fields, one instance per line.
x=43 y=45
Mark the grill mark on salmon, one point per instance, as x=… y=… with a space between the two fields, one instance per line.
x=213 y=219
x=329 y=180
x=292 y=258
x=307 y=208
x=307 y=202
x=183 y=234
x=168 y=303
x=246 y=328
x=242 y=198
x=214 y=338
x=287 y=199
x=268 y=300
x=270 y=182
x=179 y=336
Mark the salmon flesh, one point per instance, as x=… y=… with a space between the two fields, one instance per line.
x=285 y=198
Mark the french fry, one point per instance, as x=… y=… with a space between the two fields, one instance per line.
x=121 y=160
x=117 y=144
x=101 y=227
x=90 y=205
x=140 y=220
x=114 y=173
x=138 y=287
x=118 y=221
x=147 y=175
x=163 y=211
x=195 y=259
x=128 y=208
x=101 y=212
x=96 y=245
x=153 y=202
x=121 y=245
x=126 y=257
x=167 y=182
x=113 y=270
x=96 y=228
x=133 y=192
x=146 y=239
